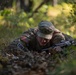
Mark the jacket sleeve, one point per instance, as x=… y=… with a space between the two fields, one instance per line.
x=58 y=37
x=27 y=36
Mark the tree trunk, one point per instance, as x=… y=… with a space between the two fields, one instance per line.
x=54 y=2
x=5 y=4
x=26 y=5
x=17 y=5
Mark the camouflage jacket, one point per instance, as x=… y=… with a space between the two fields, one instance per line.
x=28 y=39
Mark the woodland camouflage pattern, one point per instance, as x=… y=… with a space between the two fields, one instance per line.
x=29 y=41
x=32 y=62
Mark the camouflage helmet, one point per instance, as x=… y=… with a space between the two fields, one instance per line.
x=46 y=29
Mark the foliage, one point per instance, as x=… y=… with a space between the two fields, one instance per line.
x=62 y=16
x=13 y=23
x=67 y=68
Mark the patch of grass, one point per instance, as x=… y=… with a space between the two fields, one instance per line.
x=9 y=34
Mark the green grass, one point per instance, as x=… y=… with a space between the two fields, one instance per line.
x=9 y=34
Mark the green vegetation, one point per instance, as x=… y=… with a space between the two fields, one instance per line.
x=13 y=23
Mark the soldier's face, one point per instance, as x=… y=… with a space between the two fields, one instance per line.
x=42 y=41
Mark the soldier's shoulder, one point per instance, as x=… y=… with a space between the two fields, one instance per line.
x=28 y=35
x=68 y=37
x=31 y=31
x=56 y=30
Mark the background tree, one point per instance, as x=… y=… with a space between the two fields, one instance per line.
x=5 y=4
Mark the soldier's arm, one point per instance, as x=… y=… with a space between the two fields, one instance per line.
x=58 y=37
x=27 y=37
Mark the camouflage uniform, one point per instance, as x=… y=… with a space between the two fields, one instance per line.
x=29 y=41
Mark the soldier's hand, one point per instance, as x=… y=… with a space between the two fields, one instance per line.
x=57 y=49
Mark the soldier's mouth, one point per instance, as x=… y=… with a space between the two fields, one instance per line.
x=43 y=44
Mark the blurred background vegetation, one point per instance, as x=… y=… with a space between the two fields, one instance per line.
x=16 y=16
